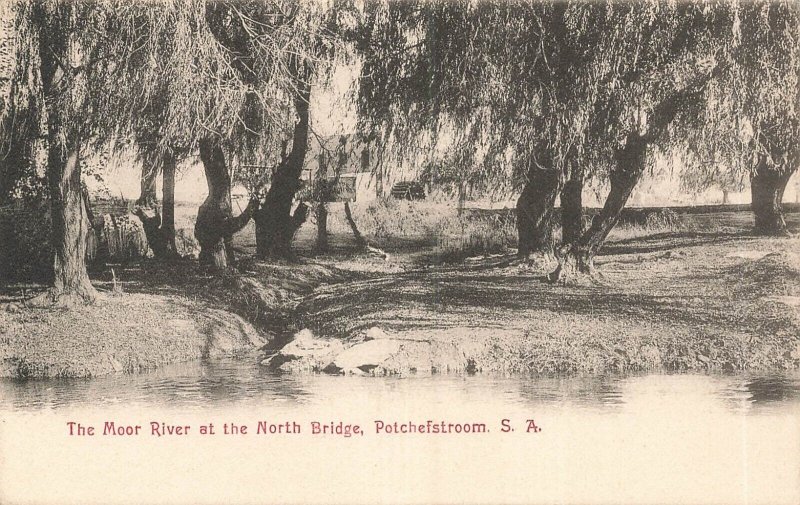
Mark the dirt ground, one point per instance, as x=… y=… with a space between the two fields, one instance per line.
x=706 y=295
x=709 y=296
x=669 y=301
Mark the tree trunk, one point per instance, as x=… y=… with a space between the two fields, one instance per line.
x=767 y=186
x=168 y=202
x=630 y=164
x=215 y=224
x=725 y=197
x=322 y=227
x=360 y=240
x=70 y=228
x=160 y=230
x=535 y=212
x=572 y=206
x=151 y=222
x=70 y=222
x=147 y=195
x=276 y=225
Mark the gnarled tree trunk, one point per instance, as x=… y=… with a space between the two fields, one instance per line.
x=630 y=164
x=70 y=218
x=215 y=224
x=535 y=208
x=70 y=228
x=276 y=224
x=767 y=185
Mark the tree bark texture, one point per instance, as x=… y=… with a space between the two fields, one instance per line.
x=276 y=224
x=767 y=185
x=215 y=224
x=535 y=209
x=70 y=227
x=572 y=206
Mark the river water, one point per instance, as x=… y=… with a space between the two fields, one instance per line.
x=244 y=383
x=672 y=438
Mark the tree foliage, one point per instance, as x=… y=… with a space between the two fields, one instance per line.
x=753 y=109
x=512 y=81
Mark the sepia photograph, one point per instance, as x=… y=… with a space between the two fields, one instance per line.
x=399 y=252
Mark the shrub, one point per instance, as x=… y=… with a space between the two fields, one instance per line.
x=438 y=224
x=25 y=251
x=476 y=235
x=663 y=219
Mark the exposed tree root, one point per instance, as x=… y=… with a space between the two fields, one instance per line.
x=60 y=299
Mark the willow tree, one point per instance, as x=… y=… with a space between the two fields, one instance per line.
x=752 y=122
x=150 y=126
x=63 y=47
x=768 y=68
x=653 y=64
x=569 y=89
x=190 y=100
x=473 y=73
x=287 y=49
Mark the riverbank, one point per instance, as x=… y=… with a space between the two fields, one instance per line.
x=151 y=314
x=126 y=333
x=664 y=300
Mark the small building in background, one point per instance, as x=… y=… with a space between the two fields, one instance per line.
x=352 y=155
x=347 y=156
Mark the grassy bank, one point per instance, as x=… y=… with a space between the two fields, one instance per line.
x=151 y=314
x=669 y=301
x=119 y=334
x=676 y=293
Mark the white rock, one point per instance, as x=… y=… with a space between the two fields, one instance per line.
x=375 y=333
x=369 y=353
x=305 y=351
x=304 y=335
x=310 y=348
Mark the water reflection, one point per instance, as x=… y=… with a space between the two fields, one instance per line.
x=245 y=383
x=772 y=389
